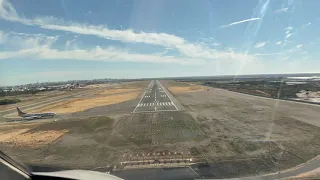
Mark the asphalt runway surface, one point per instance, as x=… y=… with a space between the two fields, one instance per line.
x=155 y=98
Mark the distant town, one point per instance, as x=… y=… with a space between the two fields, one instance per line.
x=33 y=88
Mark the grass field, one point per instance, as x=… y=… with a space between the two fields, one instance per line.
x=239 y=134
x=182 y=87
x=86 y=103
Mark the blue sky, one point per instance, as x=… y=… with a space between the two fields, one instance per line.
x=56 y=40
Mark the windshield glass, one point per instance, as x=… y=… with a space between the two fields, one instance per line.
x=220 y=89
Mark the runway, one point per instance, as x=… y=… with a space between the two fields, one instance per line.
x=155 y=98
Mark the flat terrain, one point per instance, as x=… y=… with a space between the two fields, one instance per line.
x=181 y=87
x=77 y=105
x=155 y=99
x=174 y=123
x=67 y=102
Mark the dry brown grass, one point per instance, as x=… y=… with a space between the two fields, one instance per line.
x=39 y=138
x=182 y=87
x=97 y=86
x=135 y=84
x=86 y=103
x=106 y=94
x=5 y=136
x=17 y=134
x=313 y=174
x=116 y=91
x=10 y=130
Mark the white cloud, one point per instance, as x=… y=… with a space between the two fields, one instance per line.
x=71 y=43
x=239 y=22
x=268 y=54
x=187 y=49
x=216 y=44
x=278 y=43
x=260 y=44
x=281 y=10
x=99 y=54
x=40 y=47
x=289 y=28
x=288 y=35
x=299 y=46
x=306 y=25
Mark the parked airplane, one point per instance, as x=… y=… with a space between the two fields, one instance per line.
x=35 y=116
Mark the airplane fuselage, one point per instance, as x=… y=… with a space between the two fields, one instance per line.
x=38 y=115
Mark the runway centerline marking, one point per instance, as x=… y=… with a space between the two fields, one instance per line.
x=145 y=105
x=165 y=90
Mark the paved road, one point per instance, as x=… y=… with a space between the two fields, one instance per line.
x=155 y=98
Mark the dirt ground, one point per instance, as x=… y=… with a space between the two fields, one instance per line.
x=86 y=103
x=65 y=143
x=247 y=126
x=116 y=91
x=314 y=174
x=20 y=135
x=238 y=134
x=25 y=138
x=181 y=87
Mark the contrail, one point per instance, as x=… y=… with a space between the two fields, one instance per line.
x=239 y=22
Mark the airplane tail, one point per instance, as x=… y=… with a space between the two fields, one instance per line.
x=20 y=112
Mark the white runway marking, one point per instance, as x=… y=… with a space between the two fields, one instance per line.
x=142 y=97
x=153 y=111
x=167 y=94
x=156 y=104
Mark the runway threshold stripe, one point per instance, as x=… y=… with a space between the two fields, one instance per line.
x=141 y=98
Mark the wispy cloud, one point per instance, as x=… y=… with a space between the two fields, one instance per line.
x=306 y=25
x=40 y=47
x=299 y=46
x=187 y=49
x=289 y=28
x=281 y=10
x=260 y=44
x=240 y=22
x=288 y=35
x=278 y=43
x=268 y=54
